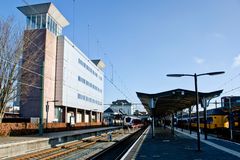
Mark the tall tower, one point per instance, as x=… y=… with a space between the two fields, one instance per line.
x=38 y=73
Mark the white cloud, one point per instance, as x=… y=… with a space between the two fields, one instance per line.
x=199 y=60
x=236 y=61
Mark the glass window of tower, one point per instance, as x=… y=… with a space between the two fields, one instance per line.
x=41 y=21
x=28 y=22
x=33 y=22
x=39 y=18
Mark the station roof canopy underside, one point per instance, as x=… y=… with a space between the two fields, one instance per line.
x=172 y=101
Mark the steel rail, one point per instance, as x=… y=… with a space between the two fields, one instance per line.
x=65 y=149
x=117 y=150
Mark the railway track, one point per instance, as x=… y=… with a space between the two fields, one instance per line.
x=116 y=151
x=60 y=151
x=74 y=149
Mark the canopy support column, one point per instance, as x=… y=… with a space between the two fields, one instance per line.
x=189 y=123
x=153 y=118
x=153 y=128
x=205 y=123
x=204 y=105
x=230 y=119
x=182 y=120
x=172 y=124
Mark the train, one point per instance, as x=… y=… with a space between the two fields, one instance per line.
x=217 y=120
x=134 y=122
x=233 y=101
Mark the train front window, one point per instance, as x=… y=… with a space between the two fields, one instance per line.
x=128 y=119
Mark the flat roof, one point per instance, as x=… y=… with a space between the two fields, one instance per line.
x=99 y=63
x=45 y=8
x=173 y=100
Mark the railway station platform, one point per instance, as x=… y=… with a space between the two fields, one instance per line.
x=182 y=145
x=14 y=146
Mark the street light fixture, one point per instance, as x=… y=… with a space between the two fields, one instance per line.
x=196 y=91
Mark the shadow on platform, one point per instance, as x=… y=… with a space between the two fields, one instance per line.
x=178 y=146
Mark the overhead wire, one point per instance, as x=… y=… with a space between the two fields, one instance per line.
x=22 y=67
x=99 y=45
x=47 y=45
x=230 y=80
x=116 y=87
x=231 y=90
x=41 y=75
x=18 y=81
x=111 y=80
x=19 y=66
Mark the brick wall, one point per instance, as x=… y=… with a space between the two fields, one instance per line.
x=17 y=129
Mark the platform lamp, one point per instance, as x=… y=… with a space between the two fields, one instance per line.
x=196 y=92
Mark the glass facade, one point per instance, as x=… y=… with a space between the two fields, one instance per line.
x=42 y=21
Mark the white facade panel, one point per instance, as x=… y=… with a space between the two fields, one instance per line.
x=74 y=68
x=59 y=73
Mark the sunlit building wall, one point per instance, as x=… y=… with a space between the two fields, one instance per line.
x=69 y=78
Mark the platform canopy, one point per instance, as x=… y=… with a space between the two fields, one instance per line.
x=172 y=101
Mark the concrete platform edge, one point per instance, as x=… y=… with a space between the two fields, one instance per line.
x=230 y=151
x=19 y=148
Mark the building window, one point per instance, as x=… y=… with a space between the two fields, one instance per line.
x=33 y=22
x=87 y=67
x=36 y=21
x=39 y=21
x=43 y=21
x=28 y=22
x=88 y=99
x=58 y=114
x=91 y=85
x=53 y=26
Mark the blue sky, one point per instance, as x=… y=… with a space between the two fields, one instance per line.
x=143 y=40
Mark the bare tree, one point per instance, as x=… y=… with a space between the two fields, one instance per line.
x=12 y=64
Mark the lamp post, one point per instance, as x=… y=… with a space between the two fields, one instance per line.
x=40 y=127
x=230 y=118
x=196 y=91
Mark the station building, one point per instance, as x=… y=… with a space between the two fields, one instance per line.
x=66 y=82
x=122 y=106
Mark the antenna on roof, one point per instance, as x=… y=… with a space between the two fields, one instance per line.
x=112 y=72
x=73 y=19
x=88 y=40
